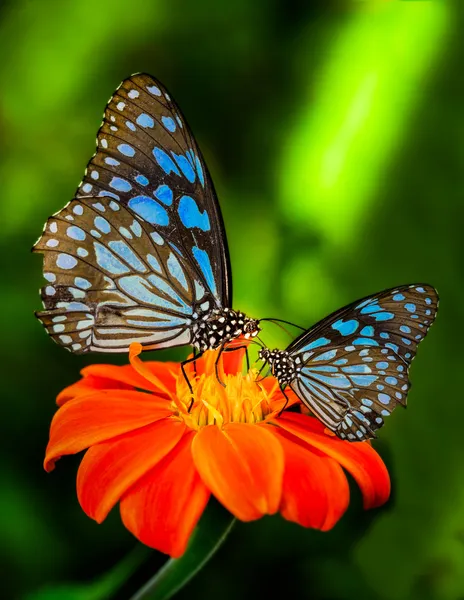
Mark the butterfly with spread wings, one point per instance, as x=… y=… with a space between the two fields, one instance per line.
x=351 y=368
x=140 y=254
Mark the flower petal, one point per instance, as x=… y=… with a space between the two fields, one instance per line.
x=242 y=464
x=277 y=400
x=109 y=469
x=163 y=507
x=359 y=458
x=89 y=385
x=143 y=370
x=315 y=489
x=98 y=417
x=204 y=365
x=233 y=357
x=230 y=360
x=96 y=377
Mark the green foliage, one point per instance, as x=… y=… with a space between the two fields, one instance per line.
x=103 y=588
x=334 y=133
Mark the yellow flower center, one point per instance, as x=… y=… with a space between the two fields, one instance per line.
x=242 y=400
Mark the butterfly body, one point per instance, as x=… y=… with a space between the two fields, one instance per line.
x=283 y=367
x=352 y=368
x=221 y=327
x=140 y=254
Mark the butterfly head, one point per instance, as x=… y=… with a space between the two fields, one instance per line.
x=266 y=355
x=251 y=328
x=237 y=324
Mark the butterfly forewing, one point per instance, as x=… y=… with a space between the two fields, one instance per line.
x=354 y=364
x=148 y=160
x=397 y=318
x=113 y=279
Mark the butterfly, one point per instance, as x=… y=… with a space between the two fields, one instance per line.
x=140 y=254
x=351 y=369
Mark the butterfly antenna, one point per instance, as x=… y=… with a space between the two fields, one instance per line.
x=279 y=325
x=259 y=373
x=257 y=340
x=276 y=321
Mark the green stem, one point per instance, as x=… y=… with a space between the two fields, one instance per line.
x=208 y=537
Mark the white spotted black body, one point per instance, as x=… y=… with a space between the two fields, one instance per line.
x=283 y=367
x=221 y=327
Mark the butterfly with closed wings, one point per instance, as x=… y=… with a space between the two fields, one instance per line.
x=140 y=254
x=352 y=368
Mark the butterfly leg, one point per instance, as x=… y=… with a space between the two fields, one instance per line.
x=234 y=349
x=194 y=358
x=216 y=366
x=259 y=373
x=282 y=389
x=246 y=354
x=240 y=348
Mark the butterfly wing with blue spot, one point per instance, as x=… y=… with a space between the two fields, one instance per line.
x=353 y=365
x=147 y=172
x=112 y=279
x=147 y=159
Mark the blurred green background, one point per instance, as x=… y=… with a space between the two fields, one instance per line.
x=334 y=131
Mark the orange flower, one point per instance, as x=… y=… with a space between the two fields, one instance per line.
x=162 y=462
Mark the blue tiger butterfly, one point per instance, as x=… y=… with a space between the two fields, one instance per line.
x=352 y=368
x=140 y=254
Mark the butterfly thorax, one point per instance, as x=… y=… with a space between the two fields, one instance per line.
x=221 y=326
x=283 y=367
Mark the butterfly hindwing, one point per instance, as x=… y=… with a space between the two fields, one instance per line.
x=113 y=279
x=354 y=364
x=148 y=160
x=352 y=391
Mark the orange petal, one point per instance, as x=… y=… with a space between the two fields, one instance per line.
x=359 y=458
x=207 y=364
x=109 y=469
x=88 y=385
x=233 y=360
x=242 y=464
x=315 y=489
x=146 y=373
x=271 y=386
x=276 y=398
x=95 y=377
x=95 y=418
x=230 y=362
x=163 y=507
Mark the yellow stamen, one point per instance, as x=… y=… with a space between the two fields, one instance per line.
x=215 y=413
x=208 y=402
x=241 y=401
